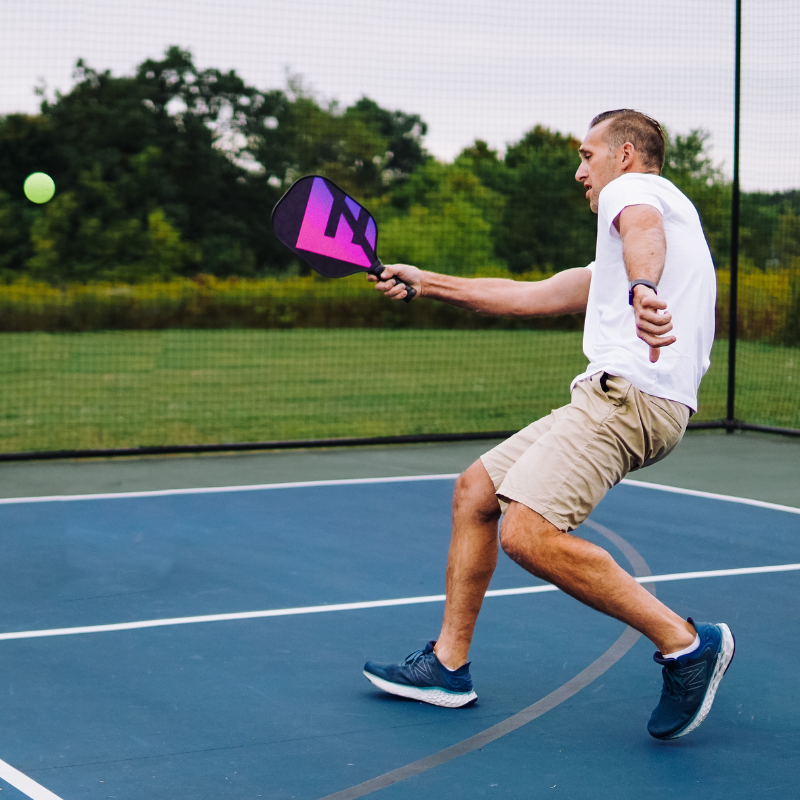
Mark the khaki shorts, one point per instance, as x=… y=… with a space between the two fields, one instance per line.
x=562 y=465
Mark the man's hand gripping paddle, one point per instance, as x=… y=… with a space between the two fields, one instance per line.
x=329 y=230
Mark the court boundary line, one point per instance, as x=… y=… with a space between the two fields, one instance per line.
x=257 y=487
x=730 y=498
x=659 y=487
x=366 y=604
x=28 y=786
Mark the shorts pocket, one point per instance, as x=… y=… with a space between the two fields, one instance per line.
x=616 y=389
x=664 y=433
x=669 y=412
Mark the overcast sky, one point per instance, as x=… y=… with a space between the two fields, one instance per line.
x=488 y=70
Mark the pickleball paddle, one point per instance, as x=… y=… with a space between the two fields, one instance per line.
x=330 y=231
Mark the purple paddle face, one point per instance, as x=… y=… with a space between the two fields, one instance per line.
x=325 y=227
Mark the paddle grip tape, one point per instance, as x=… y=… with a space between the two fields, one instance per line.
x=377 y=269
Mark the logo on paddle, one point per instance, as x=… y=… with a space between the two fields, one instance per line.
x=334 y=225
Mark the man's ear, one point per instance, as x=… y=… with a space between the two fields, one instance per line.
x=628 y=155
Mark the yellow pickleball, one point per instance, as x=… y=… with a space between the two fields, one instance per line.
x=39 y=187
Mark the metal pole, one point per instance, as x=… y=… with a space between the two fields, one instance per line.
x=734 y=293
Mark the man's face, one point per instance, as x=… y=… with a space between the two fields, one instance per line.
x=599 y=166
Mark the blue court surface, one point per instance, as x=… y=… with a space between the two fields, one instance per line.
x=273 y=704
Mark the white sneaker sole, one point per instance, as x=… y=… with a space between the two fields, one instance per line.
x=724 y=660
x=436 y=697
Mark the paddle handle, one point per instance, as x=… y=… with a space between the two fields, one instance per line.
x=377 y=268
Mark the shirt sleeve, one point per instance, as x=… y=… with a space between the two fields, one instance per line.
x=628 y=190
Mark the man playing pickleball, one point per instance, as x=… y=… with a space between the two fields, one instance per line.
x=649 y=300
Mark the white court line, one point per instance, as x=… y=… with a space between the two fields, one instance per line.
x=25 y=784
x=61 y=498
x=660 y=487
x=400 y=601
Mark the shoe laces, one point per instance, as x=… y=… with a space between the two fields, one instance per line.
x=673 y=682
x=413 y=657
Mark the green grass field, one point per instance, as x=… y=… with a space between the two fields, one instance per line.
x=134 y=388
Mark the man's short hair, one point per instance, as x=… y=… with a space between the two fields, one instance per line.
x=643 y=132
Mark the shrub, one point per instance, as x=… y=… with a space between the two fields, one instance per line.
x=208 y=302
x=769 y=306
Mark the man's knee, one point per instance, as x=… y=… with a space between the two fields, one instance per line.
x=526 y=536
x=474 y=494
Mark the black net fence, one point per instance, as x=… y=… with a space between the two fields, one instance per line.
x=148 y=305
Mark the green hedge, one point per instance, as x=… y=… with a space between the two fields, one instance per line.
x=769 y=306
x=208 y=302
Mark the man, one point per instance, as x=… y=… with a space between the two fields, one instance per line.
x=629 y=409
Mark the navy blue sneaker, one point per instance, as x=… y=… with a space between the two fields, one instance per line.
x=691 y=681
x=423 y=677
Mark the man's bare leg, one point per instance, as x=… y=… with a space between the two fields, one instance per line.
x=471 y=561
x=589 y=574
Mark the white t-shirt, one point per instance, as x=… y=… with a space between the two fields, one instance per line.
x=688 y=286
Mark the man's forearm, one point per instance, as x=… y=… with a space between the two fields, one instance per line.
x=484 y=295
x=564 y=293
x=644 y=244
x=644 y=253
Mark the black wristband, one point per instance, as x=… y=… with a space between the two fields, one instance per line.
x=636 y=283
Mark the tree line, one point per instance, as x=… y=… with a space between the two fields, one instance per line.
x=174 y=171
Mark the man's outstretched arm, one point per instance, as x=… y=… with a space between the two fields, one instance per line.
x=565 y=293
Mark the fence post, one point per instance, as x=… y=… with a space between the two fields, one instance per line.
x=734 y=290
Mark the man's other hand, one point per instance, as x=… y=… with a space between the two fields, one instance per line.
x=653 y=322
x=393 y=278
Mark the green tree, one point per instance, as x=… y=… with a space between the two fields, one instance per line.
x=365 y=148
x=441 y=219
x=26 y=145
x=321 y=140
x=175 y=170
x=402 y=132
x=546 y=223
x=85 y=234
x=130 y=155
x=761 y=213
x=689 y=165
x=787 y=247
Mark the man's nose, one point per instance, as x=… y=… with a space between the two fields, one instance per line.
x=581 y=173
